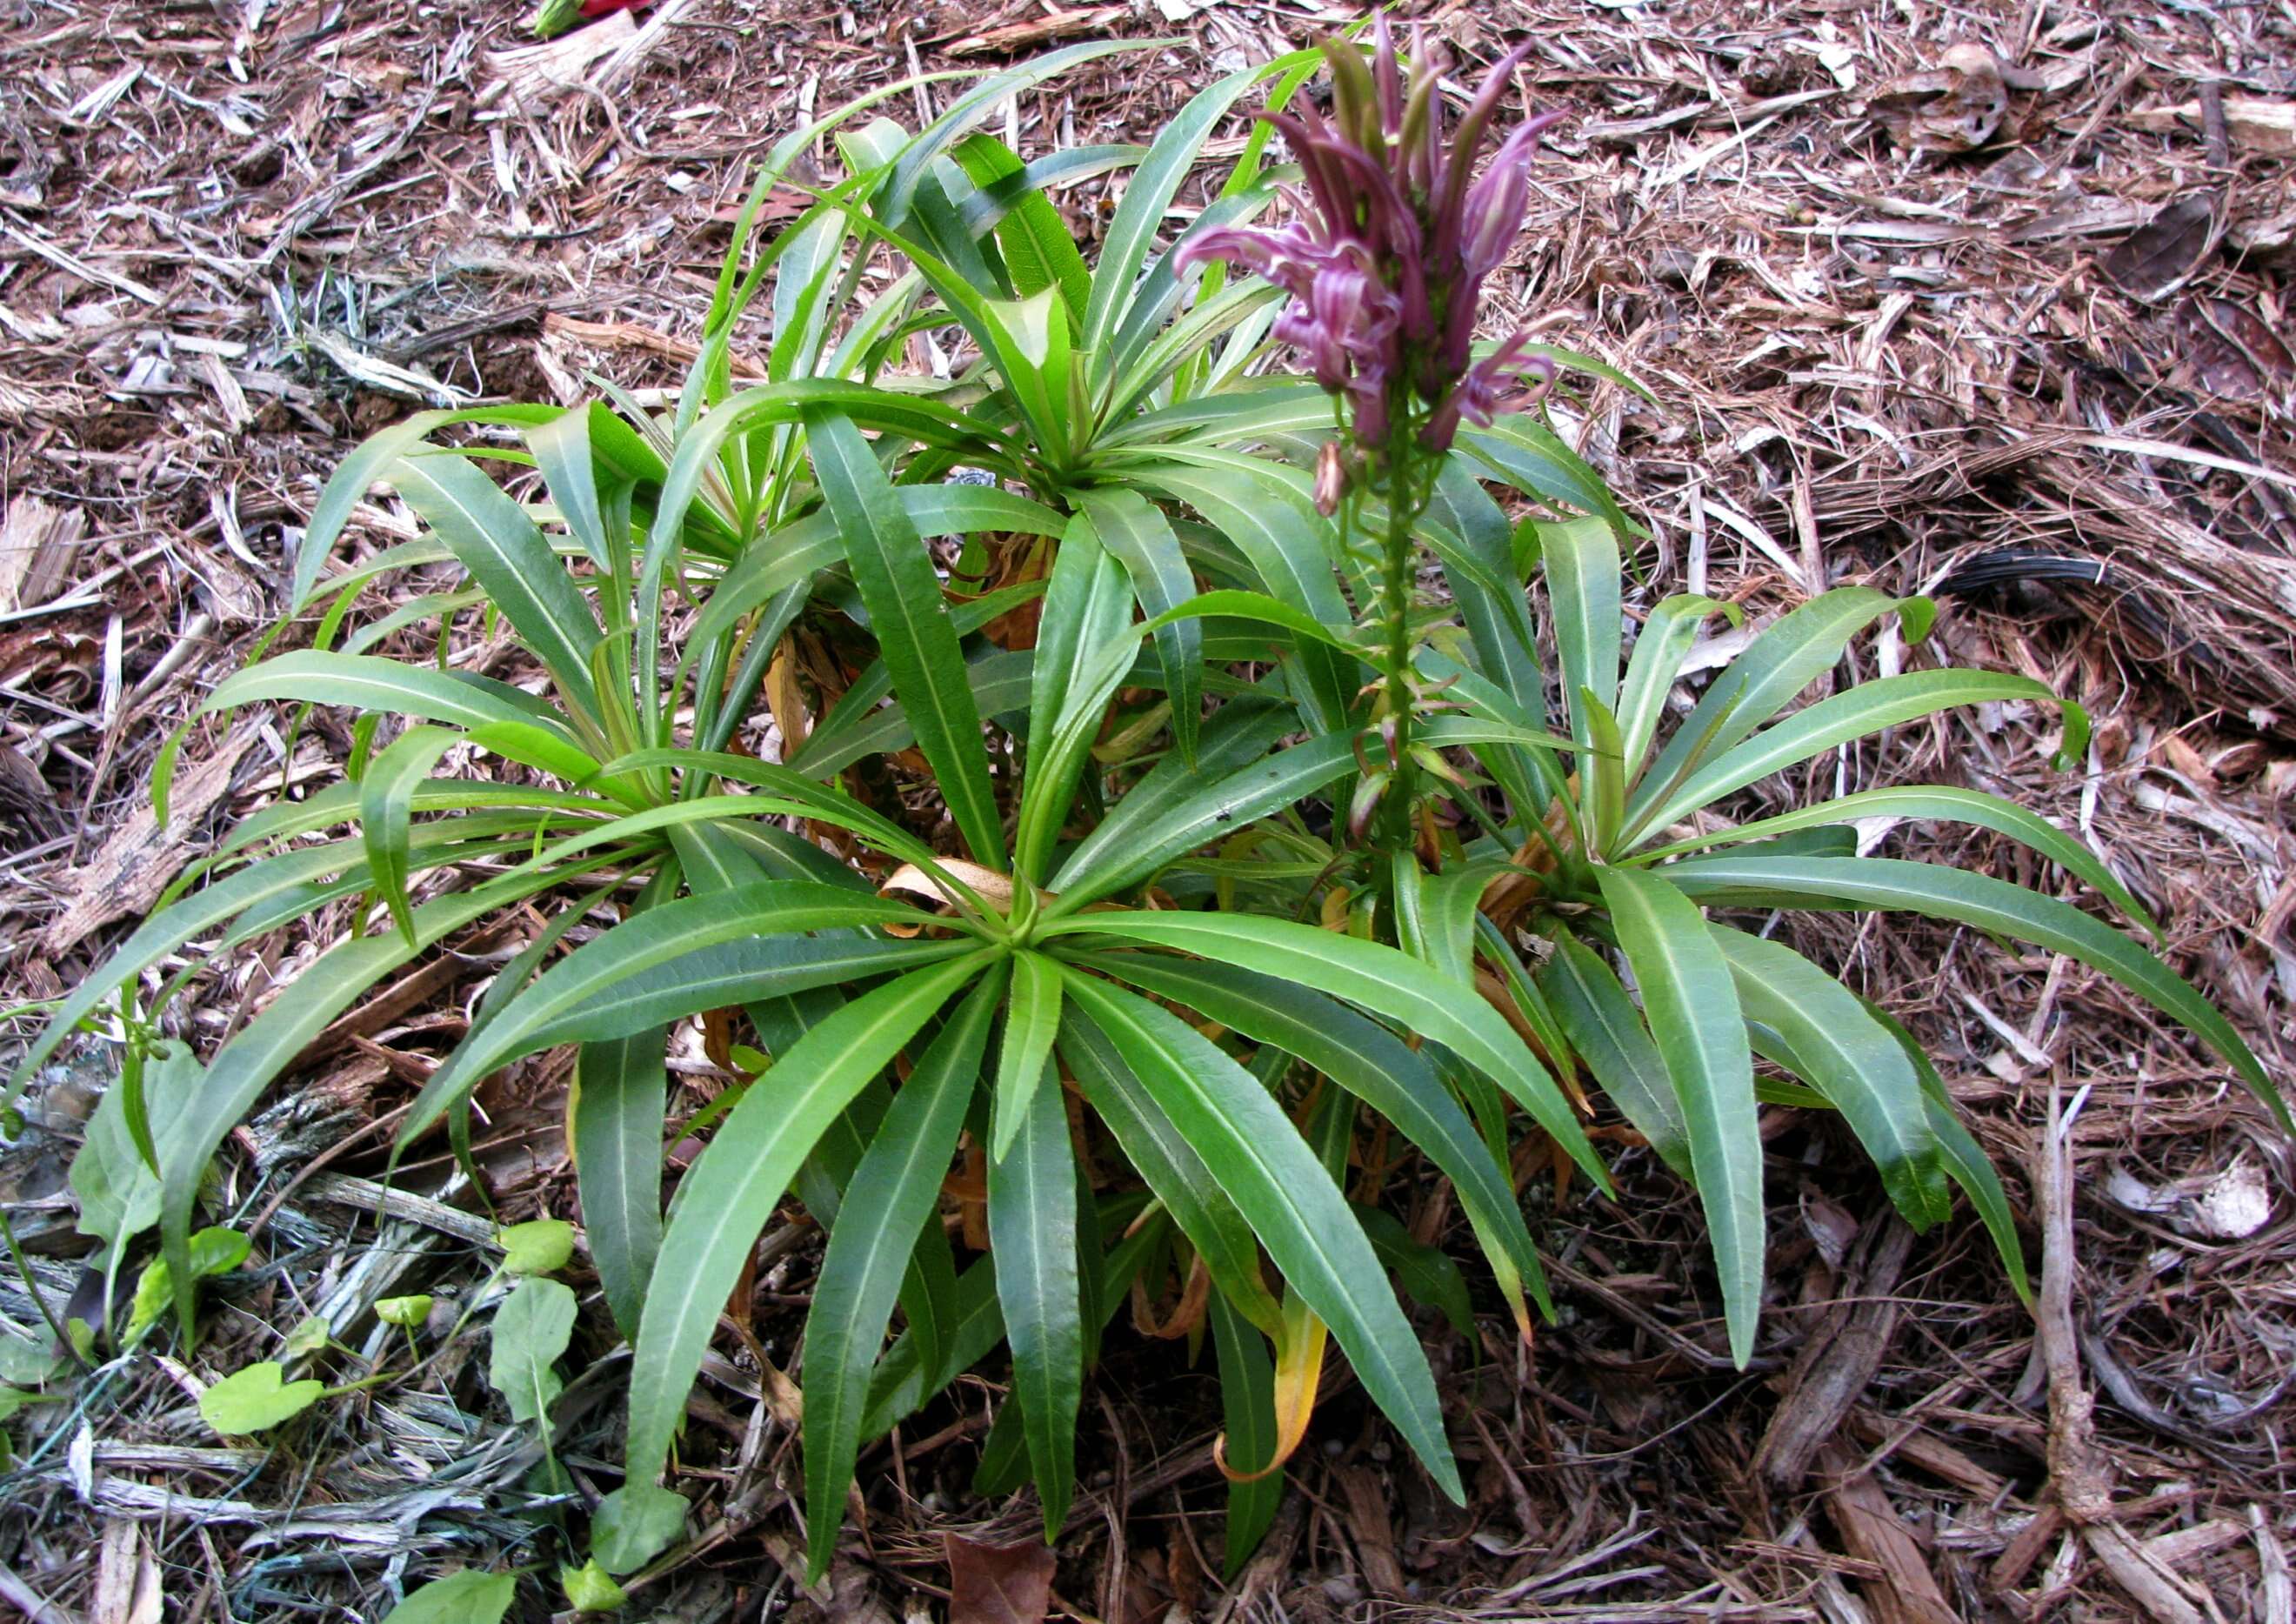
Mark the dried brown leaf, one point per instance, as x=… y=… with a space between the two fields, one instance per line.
x=1954 y=107
x=132 y=868
x=2161 y=256
x=998 y=1584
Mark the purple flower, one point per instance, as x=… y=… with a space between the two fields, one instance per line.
x=1387 y=267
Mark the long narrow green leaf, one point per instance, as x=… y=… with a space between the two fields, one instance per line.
x=855 y=715
x=1602 y=772
x=533 y=746
x=1085 y=608
x=1530 y=1001
x=998 y=681
x=891 y=1198
x=781 y=973
x=1238 y=733
x=621 y=1096
x=1581 y=559
x=1168 y=1161
x=1230 y=604
x=1367 y=1060
x=337 y=803
x=505 y=553
x=906 y=1378
x=803 y=547
x=1447 y=914
x=1038 y=250
x=910 y=617
x=1533 y=458
x=245 y=1066
x=1104 y=862
x=1001 y=195
x=561 y=450
x=1032 y=1227
x=1694 y=1013
x=1141 y=540
x=965 y=113
x=280 y=886
x=1491 y=602
x=386 y=805
x=366 y=682
x=746 y=919
x=731 y=1190
x=697 y=462
x=804 y=305
x=1754 y=687
x=1032 y=1021
x=1291 y=1203
x=1867 y=707
x=1607 y=1032
x=1966 y=1161
x=1248 y=1412
x=829 y=805
x=1843 y=1054
x=1255 y=411
x=1132 y=233
x=1379 y=979
x=1665 y=640
x=1942 y=802
x=1985 y=904
x=1291 y=548
x=1243 y=312
x=365 y=465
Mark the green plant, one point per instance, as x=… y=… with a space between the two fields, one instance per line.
x=467 y=1597
x=1174 y=834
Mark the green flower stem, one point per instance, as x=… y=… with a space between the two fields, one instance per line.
x=1405 y=495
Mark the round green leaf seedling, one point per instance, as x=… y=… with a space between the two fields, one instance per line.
x=538 y=1248
x=406 y=1312
x=468 y=1597
x=590 y=1589
x=256 y=1400
x=635 y=1524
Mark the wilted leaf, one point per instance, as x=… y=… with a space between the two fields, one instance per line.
x=538 y=1248
x=468 y=1597
x=2232 y=351
x=1951 y=108
x=311 y=1336
x=532 y=1330
x=2252 y=122
x=126 y=1577
x=2157 y=258
x=998 y=1584
x=256 y=1400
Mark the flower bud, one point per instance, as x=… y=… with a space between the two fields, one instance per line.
x=1331 y=478
x=1369 y=791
